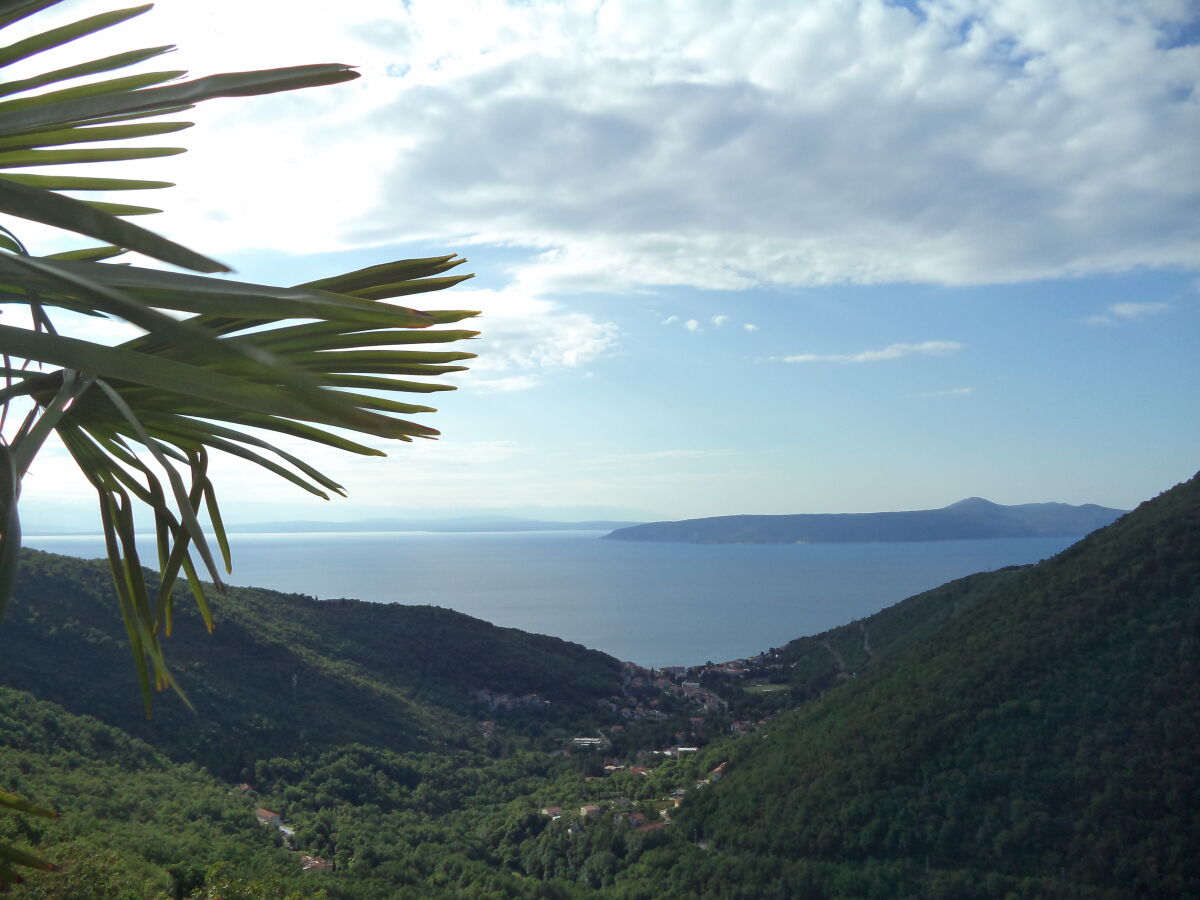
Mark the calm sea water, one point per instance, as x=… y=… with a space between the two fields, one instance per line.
x=655 y=604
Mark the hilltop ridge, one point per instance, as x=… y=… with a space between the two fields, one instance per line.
x=1029 y=730
x=284 y=673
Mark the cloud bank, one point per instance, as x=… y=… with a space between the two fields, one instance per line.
x=714 y=145
x=719 y=145
x=892 y=351
x=724 y=146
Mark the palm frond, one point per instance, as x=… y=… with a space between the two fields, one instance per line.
x=223 y=366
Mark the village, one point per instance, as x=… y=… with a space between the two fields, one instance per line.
x=674 y=696
x=652 y=694
x=651 y=816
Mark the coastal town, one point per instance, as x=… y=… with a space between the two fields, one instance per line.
x=659 y=716
x=615 y=761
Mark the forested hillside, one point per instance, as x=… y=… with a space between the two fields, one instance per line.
x=1031 y=732
x=1041 y=737
x=283 y=673
x=131 y=823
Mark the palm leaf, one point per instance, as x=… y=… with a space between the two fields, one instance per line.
x=50 y=208
x=107 y=64
x=223 y=365
x=64 y=34
x=15 y=10
x=90 y=134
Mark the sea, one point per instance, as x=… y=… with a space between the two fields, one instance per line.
x=655 y=604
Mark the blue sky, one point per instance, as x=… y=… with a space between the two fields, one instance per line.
x=733 y=257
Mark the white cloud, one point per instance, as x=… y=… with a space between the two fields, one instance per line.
x=892 y=351
x=692 y=325
x=950 y=392
x=865 y=143
x=521 y=333
x=717 y=146
x=1128 y=312
x=503 y=385
x=670 y=320
x=750 y=326
x=718 y=321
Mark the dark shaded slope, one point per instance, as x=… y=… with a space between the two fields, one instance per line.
x=130 y=820
x=970 y=519
x=812 y=665
x=282 y=674
x=1045 y=734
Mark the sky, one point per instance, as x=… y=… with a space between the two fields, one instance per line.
x=732 y=257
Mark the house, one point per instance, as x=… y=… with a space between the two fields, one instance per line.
x=266 y=817
x=314 y=864
x=719 y=772
x=554 y=812
x=589 y=811
x=652 y=826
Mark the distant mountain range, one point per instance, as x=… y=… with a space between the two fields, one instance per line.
x=462 y=524
x=970 y=519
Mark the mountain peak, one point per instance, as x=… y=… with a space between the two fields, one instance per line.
x=974 y=503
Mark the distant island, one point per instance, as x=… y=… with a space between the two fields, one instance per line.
x=970 y=519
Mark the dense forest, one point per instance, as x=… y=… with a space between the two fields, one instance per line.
x=1033 y=727
x=1028 y=732
x=282 y=673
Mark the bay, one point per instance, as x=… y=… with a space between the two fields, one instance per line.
x=655 y=604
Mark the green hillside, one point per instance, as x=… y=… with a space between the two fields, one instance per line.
x=283 y=673
x=131 y=823
x=1033 y=730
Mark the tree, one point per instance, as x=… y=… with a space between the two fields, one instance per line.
x=246 y=364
